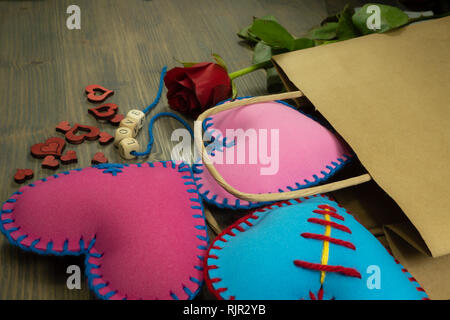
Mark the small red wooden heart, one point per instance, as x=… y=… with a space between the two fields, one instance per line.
x=69 y=157
x=105 y=138
x=104 y=111
x=52 y=146
x=116 y=119
x=98 y=158
x=90 y=133
x=50 y=162
x=22 y=175
x=63 y=126
x=92 y=91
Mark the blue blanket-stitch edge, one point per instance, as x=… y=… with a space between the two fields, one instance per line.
x=111 y=169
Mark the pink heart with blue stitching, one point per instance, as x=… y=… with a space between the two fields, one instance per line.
x=299 y=152
x=140 y=226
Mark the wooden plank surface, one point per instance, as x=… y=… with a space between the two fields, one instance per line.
x=122 y=45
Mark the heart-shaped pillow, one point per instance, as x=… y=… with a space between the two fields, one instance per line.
x=140 y=226
x=275 y=148
x=309 y=248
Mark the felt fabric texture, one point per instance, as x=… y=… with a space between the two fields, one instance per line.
x=255 y=258
x=141 y=227
x=308 y=153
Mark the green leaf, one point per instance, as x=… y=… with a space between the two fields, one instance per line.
x=220 y=61
x=332 y=18
x=273 y=81
x=272 y=33
x=326 y=32
x=267 y=17
x=303 y=43
x=329 y=41
x=390 y=18
x=189 y=64
x=262 y=52
x=318 y=42
x=247 y=35
x=185 y=63
x=345 y=29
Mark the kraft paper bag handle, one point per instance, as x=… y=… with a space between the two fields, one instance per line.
x=263 y=197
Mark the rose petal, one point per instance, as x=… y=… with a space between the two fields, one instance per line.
x=187 y=83
x=172 y=75
x=220 y=93
x=192 y=90
x=206 y=79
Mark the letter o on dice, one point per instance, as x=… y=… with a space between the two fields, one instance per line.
x=138 y=116
x=130 y=123
x=126 y=146
x=122 y=133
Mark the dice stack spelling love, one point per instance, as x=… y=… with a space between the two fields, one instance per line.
x=127 y=131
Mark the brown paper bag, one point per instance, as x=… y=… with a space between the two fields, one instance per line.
x=388 y=96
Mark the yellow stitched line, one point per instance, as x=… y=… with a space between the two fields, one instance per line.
x=325 y=249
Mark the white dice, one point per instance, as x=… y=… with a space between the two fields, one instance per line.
x=126 y=146
x=128 y=129
x=130 y=123
x=122 y=133
x=138 y=116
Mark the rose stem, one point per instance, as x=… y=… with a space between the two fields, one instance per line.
x=252 y=68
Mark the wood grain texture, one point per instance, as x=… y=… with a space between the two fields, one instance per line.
x=122 y=45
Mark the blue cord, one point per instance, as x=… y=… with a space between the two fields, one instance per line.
x=150 y=131
x=161 y=114
x=160 y=89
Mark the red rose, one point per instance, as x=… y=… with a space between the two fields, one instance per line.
x=194 y=89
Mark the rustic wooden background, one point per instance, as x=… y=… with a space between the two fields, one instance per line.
x=122 y=45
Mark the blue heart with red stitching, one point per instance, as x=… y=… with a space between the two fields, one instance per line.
x=309 y=248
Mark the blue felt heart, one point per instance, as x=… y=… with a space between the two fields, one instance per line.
x=309 y=248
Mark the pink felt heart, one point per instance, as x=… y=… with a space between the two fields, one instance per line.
x=303 y=151
x=141 y=227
